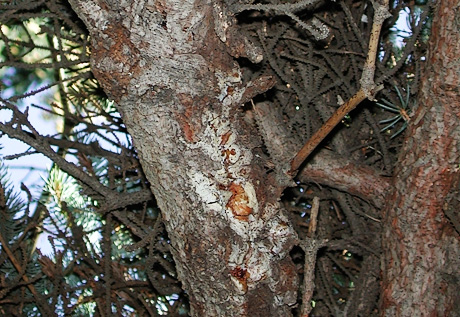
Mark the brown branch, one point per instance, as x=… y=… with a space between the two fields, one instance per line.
x=313 y=217
x=325 y=129
x=326 y=168
x=367 y=90
x=336 y=172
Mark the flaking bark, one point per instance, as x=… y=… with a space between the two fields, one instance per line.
x=168 y=66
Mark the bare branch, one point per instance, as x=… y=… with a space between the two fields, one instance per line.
x=368 y=90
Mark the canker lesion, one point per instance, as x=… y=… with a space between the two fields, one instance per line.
x=241 y=276
x=224 y=138
x=239 y=202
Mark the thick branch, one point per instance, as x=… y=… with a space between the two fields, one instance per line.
x=339 y=173
x=179 y=90
x=421 y=247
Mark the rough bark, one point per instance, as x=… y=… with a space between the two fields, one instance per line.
x=170 y=67
x=339 y=173
x=422 y=248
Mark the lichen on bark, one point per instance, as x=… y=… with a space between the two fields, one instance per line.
x=179 y=91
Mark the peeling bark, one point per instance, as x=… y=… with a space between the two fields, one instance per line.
x=170 y=67
x=422 y=249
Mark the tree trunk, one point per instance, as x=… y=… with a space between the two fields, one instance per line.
x=421 y=274
x=170 y=67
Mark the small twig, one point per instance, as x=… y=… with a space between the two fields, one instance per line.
x=20 y=270
x=19 y=155
x=337 y=212
x=290 y=7
x=326 y=280
x=313 y=217
x=310 y=246
x=115 y=200
x=319 y=30
x=367 y=77
x=342 y=267
x=108 y=274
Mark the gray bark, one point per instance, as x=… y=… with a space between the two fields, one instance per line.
x=169 y=65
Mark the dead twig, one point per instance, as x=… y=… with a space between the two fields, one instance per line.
x=310 y=246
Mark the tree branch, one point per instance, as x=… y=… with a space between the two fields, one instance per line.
x=325 y=129
x=114 y=199
x=336 y=172
x=21 y=271
x=368 y=90
x=325 y=169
